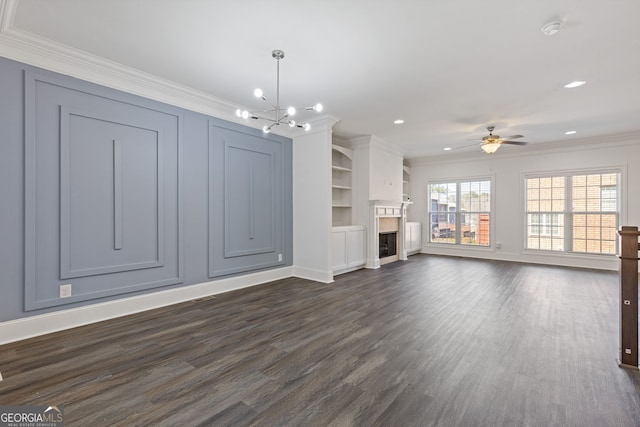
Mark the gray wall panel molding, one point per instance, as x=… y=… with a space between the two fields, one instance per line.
x=247 y=199
x=110 y=223
x=73 y=248
x=117 y=194
x=30 y=171
x=97 y=189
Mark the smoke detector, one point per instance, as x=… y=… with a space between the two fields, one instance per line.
x=551 y=28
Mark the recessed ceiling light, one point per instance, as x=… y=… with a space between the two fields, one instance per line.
x=398 y=122
x=570 y=132
x=573 y=84
x=551 y=28
x=447 y=148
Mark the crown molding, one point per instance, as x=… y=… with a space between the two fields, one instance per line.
x=37 y=51
x=386 y=147
x=554 y=147
x=7 y=13
x=28 y=48
x=322 y=123
x=372 y=141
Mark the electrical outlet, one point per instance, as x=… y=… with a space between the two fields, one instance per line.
x=279 y=257
x=498 y=245
x=65 y=290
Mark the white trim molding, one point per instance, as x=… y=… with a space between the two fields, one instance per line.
x=37 y=51
x=32 y=326
x=385 y=209
x=311 y=274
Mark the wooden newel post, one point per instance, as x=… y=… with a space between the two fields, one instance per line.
x=629 y=297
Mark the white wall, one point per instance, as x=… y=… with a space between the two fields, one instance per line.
x=507 y=168
x=360 y=192
x=312 y=257
x=385 y=172
x=378 y=168
x=377 y=174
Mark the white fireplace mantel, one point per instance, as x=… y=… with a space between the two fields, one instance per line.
x=385 y=209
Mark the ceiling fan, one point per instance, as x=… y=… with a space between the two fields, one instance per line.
x=491 y=142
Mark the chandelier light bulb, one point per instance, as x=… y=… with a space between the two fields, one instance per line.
x=318 y=107
x=239 y=112
x=258 y=93
x=292 y=123
x=291 y=111
x=266 y=129
x=245 y=114
x=307 y=126
x=574 y=84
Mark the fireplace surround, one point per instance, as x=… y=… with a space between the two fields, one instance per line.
x=382 y=217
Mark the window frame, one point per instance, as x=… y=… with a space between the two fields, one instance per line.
x=458 y=214
x=568 y=213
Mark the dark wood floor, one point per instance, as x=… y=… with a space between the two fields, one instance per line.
x=430 y=341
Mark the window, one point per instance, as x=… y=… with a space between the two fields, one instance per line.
x=460 y=212
x=573 y=212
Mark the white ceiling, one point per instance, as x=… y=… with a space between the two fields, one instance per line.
x=448 y=68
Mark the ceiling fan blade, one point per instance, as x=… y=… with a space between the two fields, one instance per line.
x=515 y=142
x=512 y=137
x=464 y=146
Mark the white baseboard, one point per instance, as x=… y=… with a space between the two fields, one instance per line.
x=348 y=270
x=28 y=327
x=315 y=275
x=555 y=259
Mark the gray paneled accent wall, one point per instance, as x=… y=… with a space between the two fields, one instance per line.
x=119 y=195
x=246 y=180
x=101 y=194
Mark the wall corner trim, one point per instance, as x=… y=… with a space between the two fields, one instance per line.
x=312 y=274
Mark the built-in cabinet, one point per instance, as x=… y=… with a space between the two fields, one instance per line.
x=341 y=185
x=349 y=248
x=348 y=241
x=356 y=246
x=413 y=238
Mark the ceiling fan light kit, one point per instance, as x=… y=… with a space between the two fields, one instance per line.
x=280 y=115
x=490 y=147
x=491 y=143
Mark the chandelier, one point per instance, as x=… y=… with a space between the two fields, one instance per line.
x=278 y=115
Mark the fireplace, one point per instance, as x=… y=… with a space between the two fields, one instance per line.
x=386 y=233
x=388 y=244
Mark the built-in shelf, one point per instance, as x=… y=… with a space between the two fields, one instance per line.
x=341 y=164
x=340 y=168
x=406 y=182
